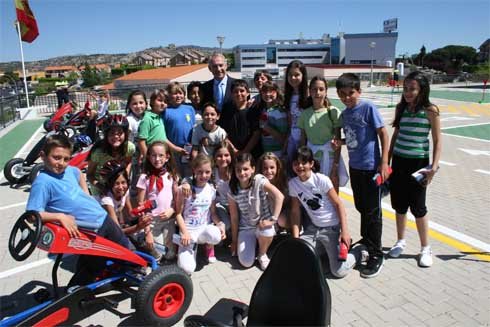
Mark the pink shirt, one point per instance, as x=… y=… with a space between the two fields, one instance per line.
x=164 y=198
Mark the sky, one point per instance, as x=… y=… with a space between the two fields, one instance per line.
x=72 y=27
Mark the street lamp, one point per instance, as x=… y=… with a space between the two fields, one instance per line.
x=372 y=45
x=221 y=40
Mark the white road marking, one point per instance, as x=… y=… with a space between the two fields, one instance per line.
x=467 y=125
x=455 y=118
x=446 y=163
x=482 y=171
x=475 y=152
x=13 y=205
x=25 y=267
x=466 y=137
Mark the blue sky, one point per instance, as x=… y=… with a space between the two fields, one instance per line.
x=69 y=27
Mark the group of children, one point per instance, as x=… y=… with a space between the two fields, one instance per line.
x=275 y=165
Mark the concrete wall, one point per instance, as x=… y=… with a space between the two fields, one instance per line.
x=357 y=49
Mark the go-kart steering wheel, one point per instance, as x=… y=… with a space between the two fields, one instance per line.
x=26 y=231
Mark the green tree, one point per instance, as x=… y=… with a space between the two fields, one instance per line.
x=90 y=76
x=451 y=58
x=230 y=59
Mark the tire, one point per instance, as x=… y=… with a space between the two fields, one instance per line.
x=35 y=171
x=47 y=125
x=164 y=296
x=70 y=131
x=12 y=171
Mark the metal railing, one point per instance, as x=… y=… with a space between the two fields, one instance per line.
x=8 y=106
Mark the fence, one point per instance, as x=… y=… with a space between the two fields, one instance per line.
x=8 y=106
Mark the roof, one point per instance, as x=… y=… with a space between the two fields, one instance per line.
x=162 y=73
x=326 y=66
x=369 y=35
x=60 y=68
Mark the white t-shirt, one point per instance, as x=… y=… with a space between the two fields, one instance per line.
x=197 y=206
x=313 y=196
x=118 y=205
x=214 y=138
x=134 y=123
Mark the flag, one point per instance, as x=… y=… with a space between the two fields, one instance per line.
x=27 y=22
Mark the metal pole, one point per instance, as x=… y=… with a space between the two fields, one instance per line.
x=17 y=25
x=372 y=45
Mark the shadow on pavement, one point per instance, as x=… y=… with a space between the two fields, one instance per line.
x=466 y=256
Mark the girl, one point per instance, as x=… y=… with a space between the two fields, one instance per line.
x=319 y=124
x=195 y=213
x=415 y=117
x=273 y=119
x=251 y=217
x=315 y=192
x=117 y=203
x=295 y=100
x=271 y=167
x=223 y=158
x=179 y=119
x=135 y=110
x=159 y=182
x=206 y=136
x=114 y=145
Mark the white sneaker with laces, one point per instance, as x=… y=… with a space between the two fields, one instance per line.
x=397 y=249
x=425 y=257
x=263 y=261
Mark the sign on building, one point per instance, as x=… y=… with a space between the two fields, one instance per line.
x=390 y=25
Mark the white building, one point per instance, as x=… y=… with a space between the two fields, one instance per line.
x=359 y=51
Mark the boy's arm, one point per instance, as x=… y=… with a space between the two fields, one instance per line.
x=252 y=142
x=392 y=144
x=82 y=181
x=339 y=207
x=67 y=221
x=384 y=140
x=143 y=149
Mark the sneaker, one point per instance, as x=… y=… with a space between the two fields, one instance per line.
x=263 y=261
x=373 y=267
x=397 y=249
x=425 y=257
x=210 y=253
x=360 y=252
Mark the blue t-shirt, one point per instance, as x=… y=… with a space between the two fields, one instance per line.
x=179 y=122
x=62 y=193
x=360 y=124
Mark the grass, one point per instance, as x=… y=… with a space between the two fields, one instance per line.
x=14 y=140
x=477 y=131
x=452 y=95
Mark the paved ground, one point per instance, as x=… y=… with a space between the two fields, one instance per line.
x=454 y=292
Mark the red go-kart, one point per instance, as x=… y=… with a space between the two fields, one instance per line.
x=160 y=296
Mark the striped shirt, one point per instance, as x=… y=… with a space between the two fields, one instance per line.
x=413 y=135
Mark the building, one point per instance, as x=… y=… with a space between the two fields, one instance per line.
x=381 y=74
x=187 y=57
x=59 y=71
x=348 y=49
x=98 y=67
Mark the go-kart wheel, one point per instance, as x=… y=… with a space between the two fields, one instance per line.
x=35 y=171
x=26 y=232
x=164 y=296
x=14 y=171
x=70 y=132
x=47 y=125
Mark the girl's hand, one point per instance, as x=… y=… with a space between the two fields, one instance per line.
x=221 y=227
x=68 y=222
x=186 y=190
x=429 y=174
x=166 y=214
x=233 y=249
x=185 y=238
x=144 y=221
x=345 y=237
x=266 y=223
x=384 y=171
x=149 y=241
x=204 y=141
x=250 y=102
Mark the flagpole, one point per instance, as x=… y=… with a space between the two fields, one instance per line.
x=17 y=25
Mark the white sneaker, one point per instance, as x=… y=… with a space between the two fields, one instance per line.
x=425 y=257
x=263 y=261
x=397 y=249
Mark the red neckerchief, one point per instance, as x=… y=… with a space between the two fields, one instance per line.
x=156 y=177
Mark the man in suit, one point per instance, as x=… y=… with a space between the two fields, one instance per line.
x=218 y=89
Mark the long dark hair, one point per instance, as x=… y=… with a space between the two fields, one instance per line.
x=302 y=89
x=107 y=148
x=170 y=165
x=240 y=159
x=304 y=154
x=422 y=100
x=326 y=101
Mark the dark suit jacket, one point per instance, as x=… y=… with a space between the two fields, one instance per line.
x=208 y=96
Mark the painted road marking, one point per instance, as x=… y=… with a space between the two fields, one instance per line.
x=447 y=163
x=482 y=171
x=468 y=111
x=466 y=125
x=457 y=240
x=476 y=152
x=13 y=205
x=25 y=267
x=466 y=137
x=480 y=109
x=456 y=118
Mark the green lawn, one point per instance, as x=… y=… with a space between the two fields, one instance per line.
x=11 y=142
x=477 y=131
x=452 y=95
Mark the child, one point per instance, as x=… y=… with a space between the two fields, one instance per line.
x=179 y=119
x=273 y=119
x=114 y=145
x=260 y=77
x=60 y=194
x=363 y=125
x=295 y=100
x=223 y=158
x=151 y=127
x=251 y=217
x=206 y=136
x=315 y=192
x=243 y=125
x=159 y=182
x=194 y=95
x=135 y=110
x=319 y=124
x=95 y=115
x=195 y=213
x=271 y=167
x=415 y=117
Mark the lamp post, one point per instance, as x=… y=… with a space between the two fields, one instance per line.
x=372 y=45
x=221 y=40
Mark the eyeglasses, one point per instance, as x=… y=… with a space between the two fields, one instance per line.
x=116 y=132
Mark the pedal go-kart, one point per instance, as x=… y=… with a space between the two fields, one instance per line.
x=160 y=297
x=62 y=114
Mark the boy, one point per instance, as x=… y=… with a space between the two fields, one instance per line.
x=59 y=193
x=363 y=125
x=242 y=126
x=151 y=127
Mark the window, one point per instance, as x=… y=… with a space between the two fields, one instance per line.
x=271 y=55
x=253 y=66
x=252 y=58
x=300 y=57
x=253 y=50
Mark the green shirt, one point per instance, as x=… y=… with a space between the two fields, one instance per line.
x=151 y=128
x=413 y=135
x=319 y=124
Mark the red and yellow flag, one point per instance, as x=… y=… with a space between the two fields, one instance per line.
x=27 y=22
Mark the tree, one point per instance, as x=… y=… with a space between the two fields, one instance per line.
x=451 y=58
x=90 y=76
x=421 y=55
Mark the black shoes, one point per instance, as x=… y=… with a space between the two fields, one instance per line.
x=373 y=266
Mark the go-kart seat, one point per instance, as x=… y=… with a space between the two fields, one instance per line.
x=292 y=291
